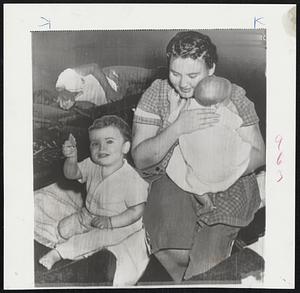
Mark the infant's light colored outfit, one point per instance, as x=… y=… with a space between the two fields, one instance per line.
x=210 y=159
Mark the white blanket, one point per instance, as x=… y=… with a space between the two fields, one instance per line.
x=211 y=159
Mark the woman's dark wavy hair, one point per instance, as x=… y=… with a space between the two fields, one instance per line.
x=114 y=121
x=192 y=44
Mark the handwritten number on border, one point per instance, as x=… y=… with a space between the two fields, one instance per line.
x=278 y=141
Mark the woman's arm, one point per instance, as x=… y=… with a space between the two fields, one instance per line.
x=252 y=135
x=149 y=148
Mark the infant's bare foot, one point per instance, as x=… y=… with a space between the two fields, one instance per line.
x=49 y=259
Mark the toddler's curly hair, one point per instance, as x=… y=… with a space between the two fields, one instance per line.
x=114 y=121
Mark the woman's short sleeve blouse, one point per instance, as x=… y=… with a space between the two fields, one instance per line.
x=154 y=109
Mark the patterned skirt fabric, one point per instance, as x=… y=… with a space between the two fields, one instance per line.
x=237 y=205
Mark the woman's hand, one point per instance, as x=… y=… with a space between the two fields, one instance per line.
x=191 y=120
x=101 y=222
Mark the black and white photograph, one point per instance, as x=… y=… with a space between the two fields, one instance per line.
x=149 y=157
x=180 y=116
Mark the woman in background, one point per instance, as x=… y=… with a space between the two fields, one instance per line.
x=85 y=83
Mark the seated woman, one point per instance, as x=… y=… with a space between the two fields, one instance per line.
x=183 y=247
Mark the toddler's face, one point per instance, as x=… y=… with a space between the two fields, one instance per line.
x=107 y=146
x=212 y=90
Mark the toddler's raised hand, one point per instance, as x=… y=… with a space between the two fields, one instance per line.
x=69 y=148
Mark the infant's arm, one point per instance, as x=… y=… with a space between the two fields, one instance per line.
x=129 y=216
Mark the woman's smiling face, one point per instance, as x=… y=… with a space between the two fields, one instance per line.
x=186 y=73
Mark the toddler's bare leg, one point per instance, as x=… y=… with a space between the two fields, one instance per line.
x=49 y=259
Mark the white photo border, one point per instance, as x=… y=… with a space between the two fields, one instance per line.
x=21 y=19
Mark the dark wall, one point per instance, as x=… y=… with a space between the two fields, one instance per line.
x=242 y=55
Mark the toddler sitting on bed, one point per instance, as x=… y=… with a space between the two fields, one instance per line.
x=212 y=159
x=116 y=194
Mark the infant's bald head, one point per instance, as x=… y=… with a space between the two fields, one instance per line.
x=212 y=90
